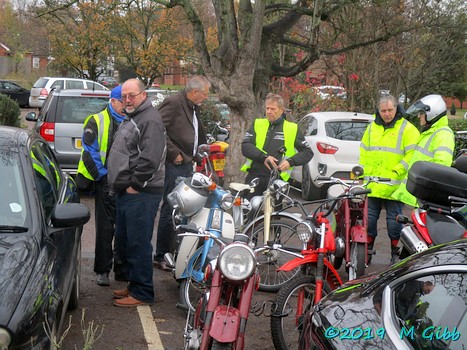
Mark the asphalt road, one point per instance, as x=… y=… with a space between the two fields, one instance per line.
x=161 y=325
x=106 y=327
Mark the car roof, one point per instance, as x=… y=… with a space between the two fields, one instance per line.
x=81 y=92
x=340 y=115
x=13 y=138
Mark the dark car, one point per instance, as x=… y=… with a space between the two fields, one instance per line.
x=41 y=222
x=15 y=92
x=61 y=118
x=419 y=303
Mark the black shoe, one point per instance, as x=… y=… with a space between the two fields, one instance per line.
x=121 y=277
x=394 y=254
x=161 y=265
x=103 y=279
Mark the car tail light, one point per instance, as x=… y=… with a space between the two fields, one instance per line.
x=47 y=131
x=325 y=148
x=43 y=92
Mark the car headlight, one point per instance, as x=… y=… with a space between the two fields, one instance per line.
x=237 y=262
x=305 y=231
x=227 y=201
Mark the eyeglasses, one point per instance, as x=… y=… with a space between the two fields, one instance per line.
x=131 y=97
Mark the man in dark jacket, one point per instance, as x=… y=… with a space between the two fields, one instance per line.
x=180 y=113
x=263 y=141
x=136 y=178
x=98 y=133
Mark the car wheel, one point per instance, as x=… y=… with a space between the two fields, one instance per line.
x=309 y=190
x=74 y=297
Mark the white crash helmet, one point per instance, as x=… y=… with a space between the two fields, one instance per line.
x=432 y=105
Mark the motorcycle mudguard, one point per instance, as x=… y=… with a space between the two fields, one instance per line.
x=312 y=259
x=225 y=324
x=358 y=234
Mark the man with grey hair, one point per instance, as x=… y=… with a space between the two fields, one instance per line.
x=180 y=114
x=265 y=138
x=385 y=151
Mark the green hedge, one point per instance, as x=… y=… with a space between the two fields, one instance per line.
x=461 y=139
x=9 y=112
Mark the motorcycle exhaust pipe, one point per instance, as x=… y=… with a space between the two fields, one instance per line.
x=412 y=241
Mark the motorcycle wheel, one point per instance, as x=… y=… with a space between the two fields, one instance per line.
x=285 y=328
x=283 y=231
x=190 y=293
x=357 y=260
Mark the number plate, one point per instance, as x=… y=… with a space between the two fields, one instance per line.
x=218 y=164
x=78 y=144
x=352 y=176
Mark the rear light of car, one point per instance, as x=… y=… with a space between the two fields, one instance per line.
x=43 y=92
x=47 y=131
x=325 y=148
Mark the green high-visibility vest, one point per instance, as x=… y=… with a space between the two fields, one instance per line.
x=103 y=124
x=290 y=134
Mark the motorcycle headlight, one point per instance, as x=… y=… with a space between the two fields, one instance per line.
x=305 y=231
x=237 y=262
x=281 y=186
x=227 y=201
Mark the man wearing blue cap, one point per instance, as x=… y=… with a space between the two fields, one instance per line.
x=98 y=134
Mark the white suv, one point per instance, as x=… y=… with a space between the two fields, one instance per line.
x=42 y=87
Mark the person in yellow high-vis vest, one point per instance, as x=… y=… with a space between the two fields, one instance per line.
x=436 y=143
x=265 y=138
x=98 y=132
x=385 y=151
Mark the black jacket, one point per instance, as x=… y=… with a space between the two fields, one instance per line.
x=274 y=141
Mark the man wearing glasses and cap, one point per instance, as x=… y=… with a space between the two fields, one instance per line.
x=98 y=133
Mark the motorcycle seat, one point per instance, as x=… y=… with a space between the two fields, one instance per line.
x=443 y=228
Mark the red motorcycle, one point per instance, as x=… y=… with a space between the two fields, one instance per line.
x=351 y=231
x=216 y=163
x=297 y=296
x=441 y=192
x=220 y=319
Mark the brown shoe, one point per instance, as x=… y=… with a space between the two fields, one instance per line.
x=121 y=293
x=129 y=301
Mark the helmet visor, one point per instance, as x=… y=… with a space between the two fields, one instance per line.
x=416 y=108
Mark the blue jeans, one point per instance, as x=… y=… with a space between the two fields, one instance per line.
x=133 y=234
x=393 y=208
x=165 y=230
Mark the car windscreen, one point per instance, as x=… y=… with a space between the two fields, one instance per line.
x=13 y=207
x=75 y=109
x=351 y=130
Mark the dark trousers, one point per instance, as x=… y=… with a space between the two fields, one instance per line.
x=105 y=229
x=165 y=229
x=393 y=208
x=133 y=234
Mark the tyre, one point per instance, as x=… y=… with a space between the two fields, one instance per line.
x=286 y=324
x=282 y=231
x=75 y=290
x=309 y=190
x=190 y=293
x=221 y=346
x=357 y=260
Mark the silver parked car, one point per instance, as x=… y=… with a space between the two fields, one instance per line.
x=60 y=122
x=335 y=139
x=44 y=85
